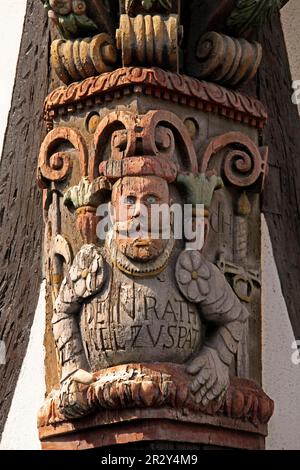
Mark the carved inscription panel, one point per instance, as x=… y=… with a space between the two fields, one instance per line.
x=132 y=319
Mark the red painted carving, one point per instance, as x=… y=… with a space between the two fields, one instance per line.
x=244 y=163
x=152 y=136
x=54 y=166
x=160 y=84
x=158 y=386
x=136 y=166
x=86 y=222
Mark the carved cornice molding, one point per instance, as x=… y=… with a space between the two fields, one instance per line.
x=155 y=82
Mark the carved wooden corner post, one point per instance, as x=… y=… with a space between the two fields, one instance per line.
x=152 y=338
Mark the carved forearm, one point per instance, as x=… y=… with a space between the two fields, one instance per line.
x=67 y=336
x=222 y=307
x=226 y=339
x=203 y=283
x=84 y=279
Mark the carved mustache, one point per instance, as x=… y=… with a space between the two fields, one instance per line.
x=138 y=225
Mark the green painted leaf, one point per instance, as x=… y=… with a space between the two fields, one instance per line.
x=199 y=189
x=252 y=14
x=148 y=4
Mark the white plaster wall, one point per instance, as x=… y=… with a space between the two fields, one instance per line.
x=290 y=19
x=281 y=378
x=11 y=25
x=20 y=431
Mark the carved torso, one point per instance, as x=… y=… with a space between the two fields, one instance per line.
x=139 y=320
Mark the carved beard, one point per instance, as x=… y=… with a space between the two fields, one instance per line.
x=139 y=267
x=142 y=250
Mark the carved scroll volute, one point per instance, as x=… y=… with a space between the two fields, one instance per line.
x=74 y=60
x=171 y=130
x=244 y=164
x=121 y=144
x=227 y=60
x=55 y=165
x=153 y=136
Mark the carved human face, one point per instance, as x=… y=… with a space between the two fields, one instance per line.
x=133 y=199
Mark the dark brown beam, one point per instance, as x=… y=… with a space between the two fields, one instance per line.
x=20 y=202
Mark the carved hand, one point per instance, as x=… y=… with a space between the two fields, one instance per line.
x=211 y=376
x=203 y=283
x=73 y=401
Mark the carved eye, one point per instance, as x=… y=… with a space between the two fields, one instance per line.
x=151 y=199
x=130 y=200
x=79 y=7
x=62 y=7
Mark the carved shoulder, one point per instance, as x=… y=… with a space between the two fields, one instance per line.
x=193 y=274
x=202 y=282
x=87 y=274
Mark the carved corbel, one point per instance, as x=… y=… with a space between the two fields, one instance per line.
x=235 y=18
x=135 y=138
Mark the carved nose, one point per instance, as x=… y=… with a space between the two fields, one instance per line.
x=137 y=210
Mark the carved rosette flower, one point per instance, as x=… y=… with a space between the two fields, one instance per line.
x=87 y=272
x=192 y=275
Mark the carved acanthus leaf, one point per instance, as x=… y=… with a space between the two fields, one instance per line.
x=199 y=189
x=79 y=18
x=252 y=14
x=86 y=193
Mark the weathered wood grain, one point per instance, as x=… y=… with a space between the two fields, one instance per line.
x=281 y=203
x=20 y=202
